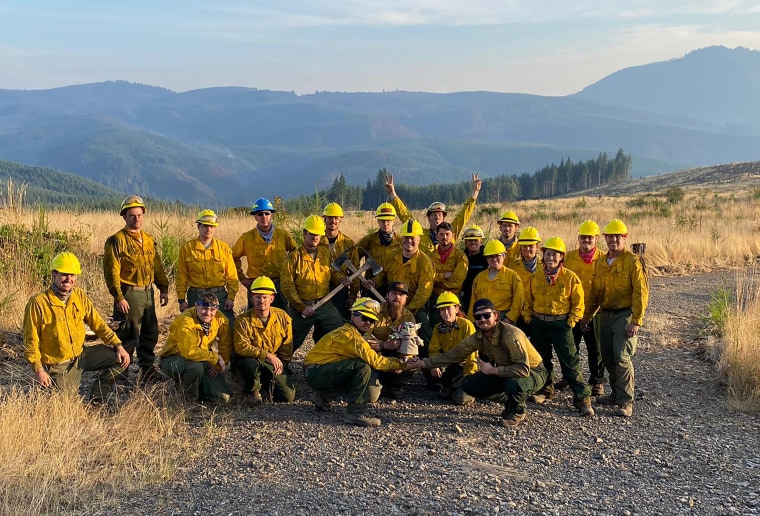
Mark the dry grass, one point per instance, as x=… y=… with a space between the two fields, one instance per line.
x=58 y=455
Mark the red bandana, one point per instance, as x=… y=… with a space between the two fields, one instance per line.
x=587 y=257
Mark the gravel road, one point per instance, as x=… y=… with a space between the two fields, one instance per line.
x=682 y=452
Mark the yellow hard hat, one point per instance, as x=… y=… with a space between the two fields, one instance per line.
x=385 y=211
x=556 y=244
x=263 y=285
x=615 y=227
x=588 y=228
x=473 y=233
x=66 y=263
x=437 y=206
x=332 y=210
x=132 y=201
x=411 y=228
x=366 y=306
x=207 y=218
x=529 y=236
x=509 y=216
x=447 y=299
x=314 y=225
x=494 y=247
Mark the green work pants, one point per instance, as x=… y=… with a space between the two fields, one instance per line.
x=350 y=377
x=452 y=378
x=138 y=329
x=258 y=375
x=324 y=320
x=617 y=351
x=193 y=293
x=512 y=392
x=68 y=375
x=545 y=335
x=194 y=379
x=595 y=362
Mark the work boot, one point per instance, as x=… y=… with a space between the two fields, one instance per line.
x=256 y=398
x=611 y=399
x=320 y=402
x=561 y=385
x=537 y=398
x=548 y=391
x=361 y=420
x=512 y=419
x=624 y=410
x=597 y=389
x=584 y=407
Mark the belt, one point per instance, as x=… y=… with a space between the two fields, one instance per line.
x=138 y=287
x=550 y=318
x=616 y=310
x=212 y=289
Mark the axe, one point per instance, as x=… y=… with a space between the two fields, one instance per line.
x=368 y=264
x=344 y=260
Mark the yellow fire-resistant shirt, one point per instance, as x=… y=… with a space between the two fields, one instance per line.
x=187 y=339
x=441 y=343
x=206 y=268
x=303 y=278
x=457 y=225
x=620 y=285
x=505 y=291
x=132 y=260
x=263 y=259
x=457 y=264
x=341 y=245
x=417 y=272
x=54 y=332
x=253 y=338
x=564 y=297
x=371 y=244
x=385 y=325
x=517 y=265
x=513 y=251
x=508 y=348
x=585 y=271
x=347 y=342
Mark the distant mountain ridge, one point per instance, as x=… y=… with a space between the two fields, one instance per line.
x=231 y=145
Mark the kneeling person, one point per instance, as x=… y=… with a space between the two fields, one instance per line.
x=342 y=362
x=188 y=357
x=263 y=343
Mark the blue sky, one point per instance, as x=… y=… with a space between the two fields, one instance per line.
x=546 y=47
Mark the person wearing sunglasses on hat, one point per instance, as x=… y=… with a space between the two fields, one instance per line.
x=188 y=356
x=131 y=266
x=509 y=367
x=264 y=248
x=343 y=362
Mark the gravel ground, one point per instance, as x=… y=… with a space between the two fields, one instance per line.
x=683 y=451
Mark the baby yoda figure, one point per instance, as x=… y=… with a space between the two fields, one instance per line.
x=406 y=332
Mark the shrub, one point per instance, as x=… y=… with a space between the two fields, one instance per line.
x=674 y=194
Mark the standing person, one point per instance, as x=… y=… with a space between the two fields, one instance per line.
x=526 y=263
x=620 y=289
x=413 y=268
x=131 y=265
x=553 y=306
x=446 y=335
x=509 y=224
x=263 y=344
x=582 y=261
x=205 y=264
x=436 y=213
x=54 y=335
x=450 y=269
x=188 y=356
x=305 y=279
x=264 y=248
x=339 y=243
x=476 y=260
x=384 y=241
x=499 y=284
x=342 y=362
x=509 y=367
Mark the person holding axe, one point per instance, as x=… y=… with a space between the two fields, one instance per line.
x=379 y=244
x=339 y=244
x=305 y=281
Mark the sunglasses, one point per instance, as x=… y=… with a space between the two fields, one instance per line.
x=263 y=213
x=484 y=315
x=364 y=317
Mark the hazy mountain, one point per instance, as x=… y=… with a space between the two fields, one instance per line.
x=231 y=145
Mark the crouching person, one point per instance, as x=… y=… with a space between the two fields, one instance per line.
x=54 y=335
x=263 y=343
x=188 y=357
x=510 y=369
x=446 y=335
x=342 y=361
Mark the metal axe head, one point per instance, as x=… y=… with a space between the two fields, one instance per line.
x=339 y=261
x=376 y=267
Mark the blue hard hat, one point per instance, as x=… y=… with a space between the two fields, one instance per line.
x=262 y=204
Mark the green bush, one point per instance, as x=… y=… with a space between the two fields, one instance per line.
x=718 y=310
